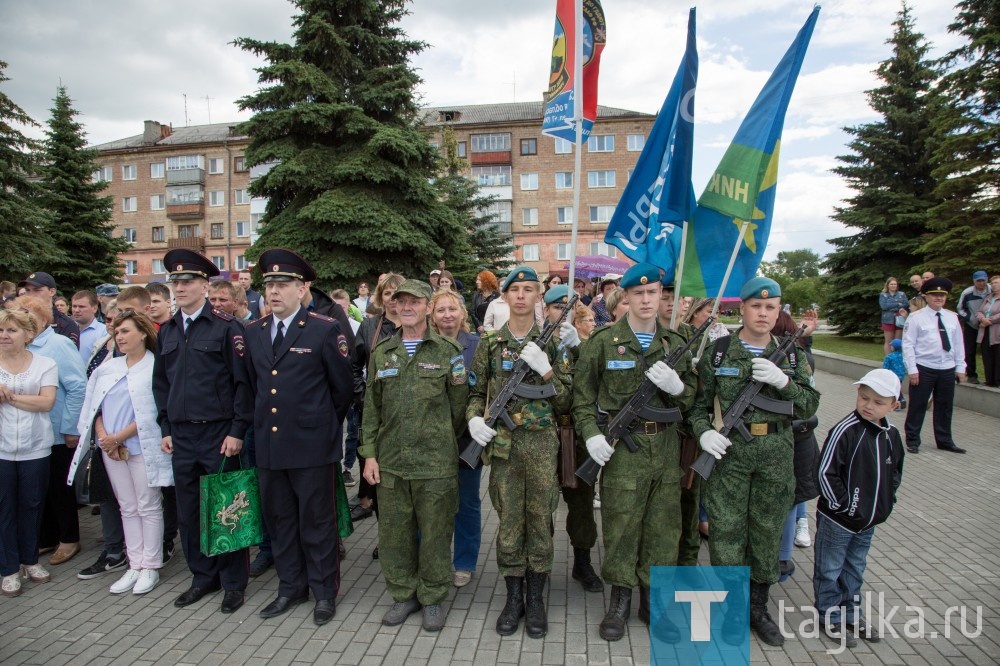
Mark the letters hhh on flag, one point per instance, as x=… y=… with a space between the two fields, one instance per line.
x=658 y=198
x=742 y=189
x=559 y=99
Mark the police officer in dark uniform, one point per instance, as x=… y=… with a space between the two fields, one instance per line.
x=203 y=397
x=301 y=376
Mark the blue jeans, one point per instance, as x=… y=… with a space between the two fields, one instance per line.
x=351 y=443
x=468 y=520
x=841 y=557
x=23 y=486
x=788 y=533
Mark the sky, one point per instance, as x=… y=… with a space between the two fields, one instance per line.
x=124 y=62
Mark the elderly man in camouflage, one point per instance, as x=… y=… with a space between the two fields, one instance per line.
x=751 y=490
x=523 y=485
x=640 y=492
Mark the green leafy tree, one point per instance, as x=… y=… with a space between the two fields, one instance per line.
x=968 y=174
x=81 y=219
x=24 y=244
x=890 y=170
x=798 y=273
x=351 y=189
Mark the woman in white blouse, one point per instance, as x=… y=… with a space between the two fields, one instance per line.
x=120 y=409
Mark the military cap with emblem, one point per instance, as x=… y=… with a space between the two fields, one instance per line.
x=519 y=274
x=937 y=285
x=760 y=287
x=557 y=294
x=183 y=264
x=107 y=290
x=417 y=288
x=38 y=279
x=281 y=265
x=640 y=274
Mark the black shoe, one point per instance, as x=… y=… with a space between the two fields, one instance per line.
x=324 y=611
x=349 y=479
x=912 y=449
x=194 y=595
x=536 y=622
x=951 y=449
x=168 y=551
x=760 y=619
x=663 y=629
x=95 y=510
x=513 y=610
x=232 y=601
x=734 y=626
x=341 y=549
x=104 y=565
x=360 y=512
x=260 y=564
x=583 y=571
x=375 y=553
x=785 y=568
x=613 y=625
x=839 y=634
x=972 y=380
x=399 y=611
x=865 y=631
x=282 y=605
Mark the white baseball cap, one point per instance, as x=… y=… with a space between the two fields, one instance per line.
x=882 y=381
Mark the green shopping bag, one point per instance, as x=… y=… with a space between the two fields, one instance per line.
x=230 y=511
x=344 y=525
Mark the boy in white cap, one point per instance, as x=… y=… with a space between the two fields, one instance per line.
x=861 y=468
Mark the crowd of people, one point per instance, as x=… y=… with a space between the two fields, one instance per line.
x=141 y=391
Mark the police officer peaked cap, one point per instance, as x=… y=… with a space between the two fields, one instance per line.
x=519 y=274
x=183 y=264
x=639 y=275
x=38 y=279
x=281 y=265
x=557 y=294
x=936 y=285
x=417 y=288
x=760 y=287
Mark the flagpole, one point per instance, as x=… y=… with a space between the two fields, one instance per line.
x=680 y=274
x=578 y=151
x=725 y=279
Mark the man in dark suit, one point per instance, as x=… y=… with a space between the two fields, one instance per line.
x=302 y=382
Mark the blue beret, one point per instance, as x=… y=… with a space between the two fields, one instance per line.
x=519 y=274
x=760 y=287
x=557 y=294
x=640 y=274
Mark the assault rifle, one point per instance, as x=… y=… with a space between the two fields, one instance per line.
x=515 y=386
x=637 y=409
x=750 y=397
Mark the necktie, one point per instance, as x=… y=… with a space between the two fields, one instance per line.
x=945 y=342
x=187 y=324
x=279 y=338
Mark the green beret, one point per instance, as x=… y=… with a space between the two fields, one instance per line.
x=760 y=287
x=639 y=275
x=413 y=287
x=519 y=274
x=557 y=294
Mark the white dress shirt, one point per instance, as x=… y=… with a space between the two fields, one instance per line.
x=922 y=341
x=287 y=322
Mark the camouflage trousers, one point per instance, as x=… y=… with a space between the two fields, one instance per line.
x=525 y=492
x=748 y=499
x=690 y=543
x=581 y=526
x=640 y=510
x=408 y=507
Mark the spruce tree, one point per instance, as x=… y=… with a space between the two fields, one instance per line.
x=81 y=221
x=968 y=175
x=352 y=190
x=890 y=170
x=24 y=244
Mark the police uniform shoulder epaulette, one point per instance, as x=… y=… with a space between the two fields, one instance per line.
x=224 y=316
x=321 y=317
x=262 y=322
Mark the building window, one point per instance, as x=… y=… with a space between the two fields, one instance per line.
x=529 y=217
x=157 y=201
x=562 y=251
x=185 y=194
x=601 y=214
x=603 y=249
x=241 y=263
x=242 y=229
x=563 y=147
x=130 y=204
x=241 y=197
x=530 y=252
x=529 y=146
x=491 y=175
x=128 y=172
x=460 y=148
x=490 y=143
x=216 y=230
x=564 y=214
x=564 y=180
x=159 y=235
x=158 y=267
x=218 y=198
x=157 y=170
x=529 y=181
x=601 y=143
x=188 y=230
x=185 y=162
x=240 y=164
x=636 y=142
x=219 y=261
x=500 y=211
x=101 y=173
x=129 y=234
x=216 y=165
x=131 y=267
x=601 y=178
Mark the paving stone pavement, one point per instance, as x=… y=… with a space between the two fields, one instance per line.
x=938 y=550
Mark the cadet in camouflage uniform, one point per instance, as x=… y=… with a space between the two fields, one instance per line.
x=523 y=485
x=750 y=492
x=640 y=492
x=414 y=406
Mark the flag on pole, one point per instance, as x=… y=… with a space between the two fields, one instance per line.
x=742 y=189
x=658 y=199
x=558 y=120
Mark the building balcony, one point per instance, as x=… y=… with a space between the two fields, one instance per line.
x=493 y=157
x=192 y=176
x=498 y=192
x=186 y=211
x=190 y=242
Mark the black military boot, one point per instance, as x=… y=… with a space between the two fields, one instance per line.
x=536 y=623
x=613 y=625
x=664 y=629
x=584 y=572
x=513 y=610
x=760 y=619
x=734 y=625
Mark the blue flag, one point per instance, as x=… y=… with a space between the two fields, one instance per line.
x=658 y=198
x=743 y=187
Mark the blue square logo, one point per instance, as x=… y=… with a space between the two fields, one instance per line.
x=699 y=615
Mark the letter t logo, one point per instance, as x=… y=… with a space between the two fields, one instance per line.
x=701 y=610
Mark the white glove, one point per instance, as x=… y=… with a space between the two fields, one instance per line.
x=766 y=372
x=481 y=432
x=714 y=443
x=536 y=359
x=568 y=334
x=599 y=449
x=665 y=378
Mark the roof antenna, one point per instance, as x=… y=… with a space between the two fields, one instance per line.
x=185 y=109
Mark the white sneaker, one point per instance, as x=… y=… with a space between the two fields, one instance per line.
x=148 y=579
x=802 y=538
x=126 y=582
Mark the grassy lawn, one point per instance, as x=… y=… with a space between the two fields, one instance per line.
x=867 y=348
